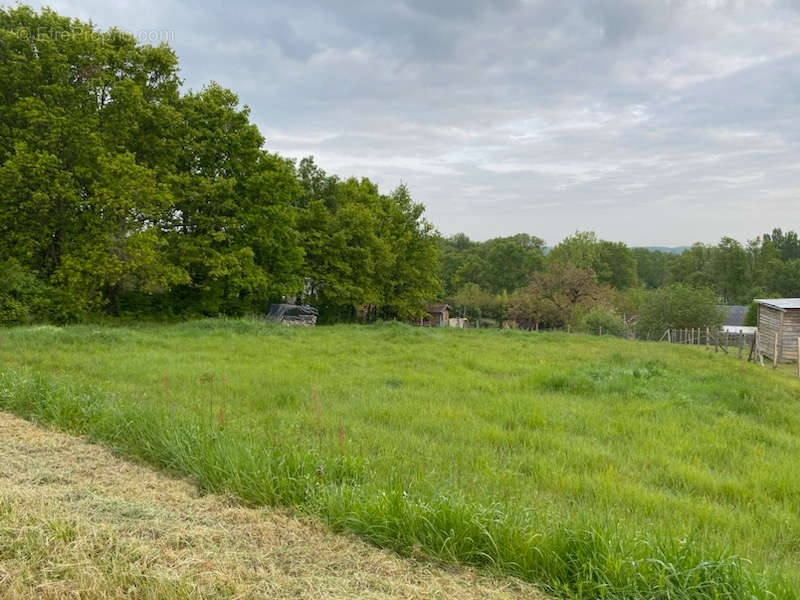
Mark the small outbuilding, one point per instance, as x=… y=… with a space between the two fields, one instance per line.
x=778 y=321
x=734 y=315
x=438 y=315
x=734 y=320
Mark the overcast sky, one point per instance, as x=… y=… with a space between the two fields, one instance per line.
x=648 y=122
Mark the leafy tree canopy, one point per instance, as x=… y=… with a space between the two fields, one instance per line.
x=124 y=195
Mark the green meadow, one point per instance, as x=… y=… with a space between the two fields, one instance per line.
x=594 y=467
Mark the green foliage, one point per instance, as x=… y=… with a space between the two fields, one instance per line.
x=24 y=298
x=580 y=250
x=592 y=467
x=476 y=304
x=612 y=262
x=125 y=196
x=231 y=227
x=730 y=269
x=363 y=248
x=787 y=245
x=652 y=266
x=554 y=295
x=766 y=266
x=499 y=265
x=602 y=321
x=79 y=196
x=19 y=293
x=786 y=278
x=751 y=318
x=615 y=265
x=679 y=305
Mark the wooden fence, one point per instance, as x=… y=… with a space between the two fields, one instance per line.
x=721 y=341
x=740 y=343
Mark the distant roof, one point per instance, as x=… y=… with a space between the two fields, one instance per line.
x=739 y=329
x=734 y=315
x=437 y=308
x=780 y=303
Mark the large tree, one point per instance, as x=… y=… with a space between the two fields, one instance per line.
x=232 y=223
x=364 y=250
x=80 y=133
x=612 y=262
x=553 y=295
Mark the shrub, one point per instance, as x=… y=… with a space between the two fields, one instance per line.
x=679 y=305
x=19 y=291
x=601 y=320
x=24 y=298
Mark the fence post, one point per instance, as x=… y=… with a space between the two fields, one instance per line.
x=708 y=342
x=755 y=346
x=741 y=344
x=775 y=353
x=798 y=357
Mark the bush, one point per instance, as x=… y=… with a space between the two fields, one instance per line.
x=600 y=320
x=24 y=298
x=19 y=291
x=679 y=305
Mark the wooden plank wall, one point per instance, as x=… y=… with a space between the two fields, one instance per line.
x=786 y=324
x=791 y=331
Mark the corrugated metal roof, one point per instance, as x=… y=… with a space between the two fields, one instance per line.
x=781 y=303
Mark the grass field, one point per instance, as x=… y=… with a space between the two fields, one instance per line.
x=590 y=466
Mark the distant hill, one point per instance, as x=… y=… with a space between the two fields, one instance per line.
x=667 y=249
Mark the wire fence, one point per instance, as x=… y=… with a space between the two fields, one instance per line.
x=739 y=342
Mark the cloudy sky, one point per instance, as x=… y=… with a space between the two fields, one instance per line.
x=646 y=121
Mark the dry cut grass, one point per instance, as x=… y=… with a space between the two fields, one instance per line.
x=77 y=521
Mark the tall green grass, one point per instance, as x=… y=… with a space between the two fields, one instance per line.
x=593 y=467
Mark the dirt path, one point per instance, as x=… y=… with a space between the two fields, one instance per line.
x=76 y=521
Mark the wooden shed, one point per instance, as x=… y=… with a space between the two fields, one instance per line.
x=438 y=315
x=778 y=317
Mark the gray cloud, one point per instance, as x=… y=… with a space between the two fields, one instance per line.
x=653 y=122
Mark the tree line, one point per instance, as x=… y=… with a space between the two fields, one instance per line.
x=590 y=284
x=120 y=194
